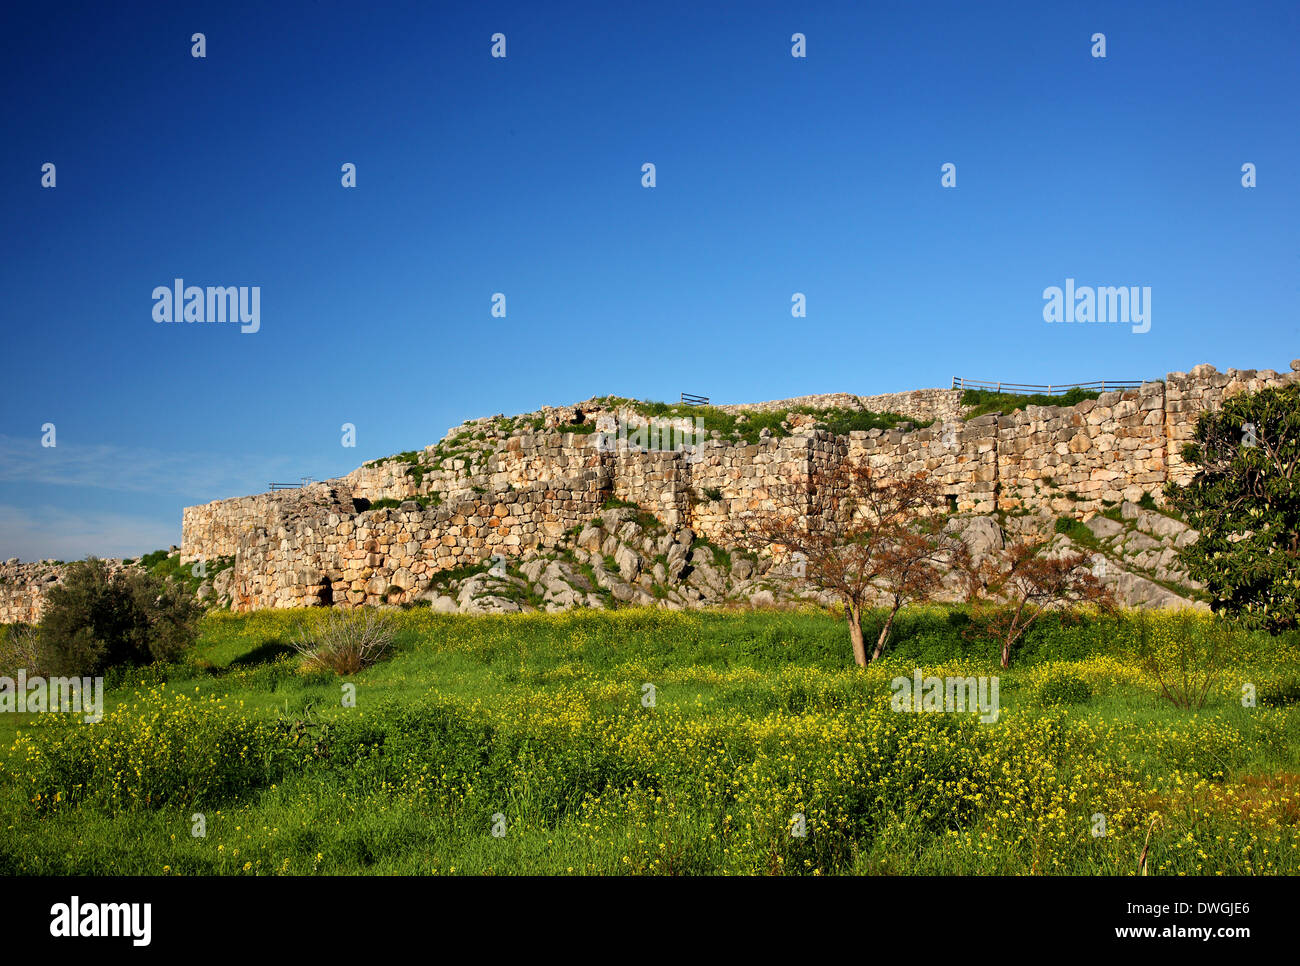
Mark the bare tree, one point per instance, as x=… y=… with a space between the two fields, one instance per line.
x=912 y=567
x=1013 y=591
x=851 y=527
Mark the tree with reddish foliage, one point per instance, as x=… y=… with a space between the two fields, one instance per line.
x=911 y=568
x=856 y=533
x=1012 y=591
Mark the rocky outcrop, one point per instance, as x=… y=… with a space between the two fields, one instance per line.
x=623 y=557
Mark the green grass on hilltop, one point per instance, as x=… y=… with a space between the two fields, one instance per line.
x=161 y=564
x=748 y=426
x=987 y=401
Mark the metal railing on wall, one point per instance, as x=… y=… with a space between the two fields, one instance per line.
x=1052 y=389
x=691 y=399
x=293 y=486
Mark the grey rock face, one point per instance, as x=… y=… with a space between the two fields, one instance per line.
x=629 y=563
x=1103 y=528
x=982 y=536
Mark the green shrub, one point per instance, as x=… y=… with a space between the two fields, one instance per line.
x=987 y=401
x=614 y=503
x=168 y=566
x=1062 y=687
x=1279 y=691
x=95 y=620
x=1076 y=530
x=1244 y=501
x=388 y=503
x=1185 y=652
x=841 y=422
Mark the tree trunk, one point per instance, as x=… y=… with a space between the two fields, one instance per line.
x=884 y=635
x=1013 y=632
x=854 y=616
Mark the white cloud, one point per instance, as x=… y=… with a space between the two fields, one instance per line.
x=44 y=532
x=201 y=476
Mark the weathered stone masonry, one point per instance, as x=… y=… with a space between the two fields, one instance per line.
x=320 y=545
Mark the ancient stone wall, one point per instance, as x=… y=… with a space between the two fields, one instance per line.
x=522 y=489
x=1070 y=460
x=23 y=587
x=22 y=590
x=960 y=456
x=388 y=554
x=1189 y=394
x=921 y=404
x=215 y=529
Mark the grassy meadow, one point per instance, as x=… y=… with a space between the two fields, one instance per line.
x=536 y=727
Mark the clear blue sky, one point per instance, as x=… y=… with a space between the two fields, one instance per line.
x=523 y=176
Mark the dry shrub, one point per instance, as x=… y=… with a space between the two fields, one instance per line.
x=20 y=648
x=349 y=640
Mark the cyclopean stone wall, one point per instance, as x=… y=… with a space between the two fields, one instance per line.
x=527 y=488
x=517 y=488
x=921 y=404
x=215 y=529
x=389 y=554
x=23 y=587
x=1108 y=449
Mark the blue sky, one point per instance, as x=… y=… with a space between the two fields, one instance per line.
x=522 y=175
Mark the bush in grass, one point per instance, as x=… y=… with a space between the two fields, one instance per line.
x=1062 y=687
x=96 y=620
x=1185 y=652
x=349 y=641
x=1279 y=691
x=161 y=749
x=20 y=647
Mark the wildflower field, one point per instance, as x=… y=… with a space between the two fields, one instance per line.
x=650 y=741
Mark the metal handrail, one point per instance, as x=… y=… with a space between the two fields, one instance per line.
x=305 y=481
x=1053 y=389
x=693 y=400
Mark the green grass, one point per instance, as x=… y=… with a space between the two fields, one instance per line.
x=748 y=427
x=1078 y=531
x=758 y=715
x=388 y=503
x=987 y=401
x=160 y=564
x=845 y=421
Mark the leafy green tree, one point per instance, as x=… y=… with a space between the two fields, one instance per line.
x=1245 y=501
x=97 y=619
